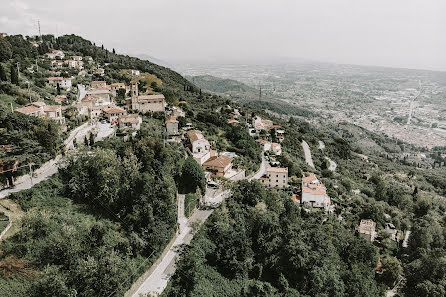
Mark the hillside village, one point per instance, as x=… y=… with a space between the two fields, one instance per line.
x=143 y=120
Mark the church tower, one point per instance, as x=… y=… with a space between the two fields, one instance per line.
x=135 y=90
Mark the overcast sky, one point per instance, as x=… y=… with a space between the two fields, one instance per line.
x=398 y=33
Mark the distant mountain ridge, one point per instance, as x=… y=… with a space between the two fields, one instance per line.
x=220 y=85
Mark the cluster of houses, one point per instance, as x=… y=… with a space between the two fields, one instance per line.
x=40 y=109
x=211 y=161
x=258 y=125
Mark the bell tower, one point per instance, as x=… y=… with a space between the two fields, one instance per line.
x=135 y=90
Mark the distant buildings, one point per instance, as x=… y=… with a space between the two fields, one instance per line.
x=112 y=113
x=40 y=109
x=100 y=71
x=276 y=148
x=76 y=64
x=98 y=84
x=135 y=72
x=55 y=54
x=314 y=193
x=275 y=177
x=145 y=103
x=129 y=121
x=64 y=83
x=366 y=229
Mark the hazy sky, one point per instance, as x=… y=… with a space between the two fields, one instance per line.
x=399 y=33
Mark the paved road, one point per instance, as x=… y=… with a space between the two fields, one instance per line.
x=307 y=153
x=158 y=279
x=82 y=93
x=261 y=170
x=50 y=168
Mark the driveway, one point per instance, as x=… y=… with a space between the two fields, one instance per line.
x=261 y=170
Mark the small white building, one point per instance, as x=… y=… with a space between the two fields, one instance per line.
x=130 y=121
x=200 y=147
x=135 y=72
x=276 y=148
x=112 y=113
x=64 y=83
x=314 y=193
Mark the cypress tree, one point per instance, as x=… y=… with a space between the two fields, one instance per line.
x=14 y=75
x=2 y=73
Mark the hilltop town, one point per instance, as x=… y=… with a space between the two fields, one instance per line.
x=121 y=178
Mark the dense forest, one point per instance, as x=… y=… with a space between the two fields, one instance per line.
x=261 y=244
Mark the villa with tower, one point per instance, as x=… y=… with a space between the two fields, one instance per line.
x=145 y=103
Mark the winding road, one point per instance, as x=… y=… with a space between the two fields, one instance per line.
x=159 y=274
x=307 y=153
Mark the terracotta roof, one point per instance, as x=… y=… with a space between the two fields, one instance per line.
x=114 y=110
x=171 y=119
x=195 y=135
x=295 y=198
x=129 y=116
x=314 y=191
x=38 y=103
x=233 y=121
x=57 y=78
x=275 y=144
x=51 y=108
x=309 y=178
x=220 y=161
x=277 y=169
x=262 y=141
x=117 y=85
x=151 y=97
x=28 y=109
x=99 y=107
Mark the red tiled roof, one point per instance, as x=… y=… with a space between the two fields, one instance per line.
x=277 y=169
x=171 y=119
x=220 y=161
x=114 y=110
x=309 y=178
x=195 y=135
x=28 y=109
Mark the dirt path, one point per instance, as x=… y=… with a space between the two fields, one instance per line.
x=13 y=211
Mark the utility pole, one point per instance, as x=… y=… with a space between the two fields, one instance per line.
x=31 y=173
x=29 y=94
x=40 y=34
x=37 y=66
x=18 y=71
x=12 y=109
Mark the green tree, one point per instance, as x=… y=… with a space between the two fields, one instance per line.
x=192 y=176
x=91 y=142
x=2 y=73
x=14 y=74
x=391 y=270
x=5 y=50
